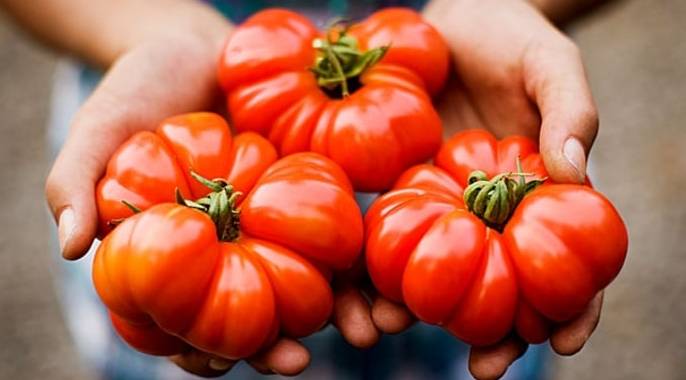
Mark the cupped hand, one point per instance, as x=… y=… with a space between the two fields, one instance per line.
x=515 y=73
x=166 y=72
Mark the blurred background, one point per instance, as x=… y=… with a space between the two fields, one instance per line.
x=635 y=52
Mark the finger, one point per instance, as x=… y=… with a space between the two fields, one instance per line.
x=70 y=186
x=389 y=317
x=556 y=80
x=352 y=317
x=486 y=363
x=287 y=357
x=570 y=338
x=202 y=364
x=142 y=88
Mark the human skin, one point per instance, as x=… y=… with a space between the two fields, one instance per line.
x=519 y=75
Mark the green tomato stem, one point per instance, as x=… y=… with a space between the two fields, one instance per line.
x=340 y=62
x=495 y=200
x=219 y=205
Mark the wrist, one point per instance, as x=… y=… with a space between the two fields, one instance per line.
x=562 y=11
x=154 y=22
x=553 y=10
x=469 y=19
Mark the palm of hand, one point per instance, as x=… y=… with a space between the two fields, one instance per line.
x=487 y=92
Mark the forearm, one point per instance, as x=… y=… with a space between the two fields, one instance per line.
x=562 y=11
x=557 y=11
x=100 y=31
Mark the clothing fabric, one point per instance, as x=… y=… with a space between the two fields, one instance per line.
x=318 y=10
x=423 y=352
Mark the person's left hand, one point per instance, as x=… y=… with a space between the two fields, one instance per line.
x=515 y=74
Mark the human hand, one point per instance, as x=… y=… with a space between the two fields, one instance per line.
x=360 y=314
x=516 y=74
x=160 y=72
x=286 y=357
x=153 y=72
x=486 y=363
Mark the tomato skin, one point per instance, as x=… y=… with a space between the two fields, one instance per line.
x=411 y=39
x=478 y=149
x=530 y=324
x=385 y=113
x=168 y=281
x=374 y=133
x=148 y=168
x=148 y=337
x=556 y=230
x=488 y=306
x=543 y=268
x=269 y=42
x=395 y=236
x=449 y=253
x=306 y=212
x=144 y=172
x=205 y=148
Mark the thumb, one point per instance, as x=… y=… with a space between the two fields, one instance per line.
x=70 y=186
x=557 y=82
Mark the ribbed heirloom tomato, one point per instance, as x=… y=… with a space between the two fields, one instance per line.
x=359 y=95
x=481 y=246
x=225 y=264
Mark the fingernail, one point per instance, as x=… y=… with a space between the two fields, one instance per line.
x=65 y=227
x=576 y=155
x=219 y=364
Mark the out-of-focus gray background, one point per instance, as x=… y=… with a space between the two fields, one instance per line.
x=635 y=52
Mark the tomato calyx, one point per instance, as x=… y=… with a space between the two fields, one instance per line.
x=220 y=205
x=495 y=200
x=340 y=62
x=115 y=222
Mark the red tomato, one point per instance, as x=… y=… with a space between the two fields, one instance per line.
x=438 y=242
x=328 y=94
x=225 y=273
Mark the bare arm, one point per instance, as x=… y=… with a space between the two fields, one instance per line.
x=562 y=11
x=100 y=31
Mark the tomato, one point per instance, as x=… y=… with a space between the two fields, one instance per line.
x=359 y=95
x=227 y=264
x=475 y=245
